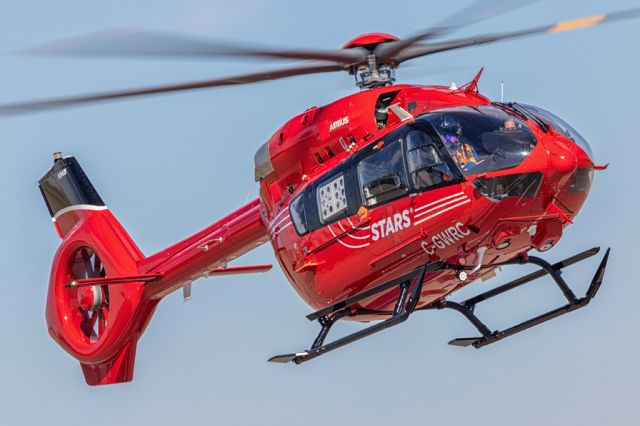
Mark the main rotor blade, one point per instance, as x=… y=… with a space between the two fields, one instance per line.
x=478 y=11
x=36 y=106
x=133 y=43
x=570 y=25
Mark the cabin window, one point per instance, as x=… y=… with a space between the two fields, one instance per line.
x=331 y=198
x=382 y=175
x=298 y=214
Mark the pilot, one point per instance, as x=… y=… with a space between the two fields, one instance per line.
x=462 y=152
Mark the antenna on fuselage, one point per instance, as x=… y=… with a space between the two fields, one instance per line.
x=502 y=91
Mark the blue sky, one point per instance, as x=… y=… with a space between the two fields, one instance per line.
x=170 y=165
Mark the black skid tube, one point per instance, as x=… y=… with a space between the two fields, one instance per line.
x=467 y=307
x=410 y=286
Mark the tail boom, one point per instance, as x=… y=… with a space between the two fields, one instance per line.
x=214 y=246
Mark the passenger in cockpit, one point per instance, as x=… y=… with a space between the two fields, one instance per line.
x=509 y=125
x=508 y=140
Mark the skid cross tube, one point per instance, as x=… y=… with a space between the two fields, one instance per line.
x=430 y=267
x=467 y=307
x=410 y=286
x=530 y=277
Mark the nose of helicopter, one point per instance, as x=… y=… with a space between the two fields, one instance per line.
x=562 y=165
x=569 y=177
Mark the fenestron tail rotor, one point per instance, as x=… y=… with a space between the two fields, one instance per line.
x=90 y=304
x=372 y=58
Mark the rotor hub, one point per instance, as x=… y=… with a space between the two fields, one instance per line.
x=372 y=73
x=370 y=40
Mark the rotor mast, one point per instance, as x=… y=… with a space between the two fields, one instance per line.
x=372 y=73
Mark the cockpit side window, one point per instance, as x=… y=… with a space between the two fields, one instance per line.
x=382 y=175
x=425 y=164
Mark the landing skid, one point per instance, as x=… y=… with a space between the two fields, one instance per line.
x=410 y=286
x=467 y=307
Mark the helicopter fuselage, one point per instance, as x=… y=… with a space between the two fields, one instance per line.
x=353 y=195
x=336 y=231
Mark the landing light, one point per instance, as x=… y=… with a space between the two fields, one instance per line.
x=503 y=245
x=545 y=246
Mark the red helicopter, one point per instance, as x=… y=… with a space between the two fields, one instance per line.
x=378 y=205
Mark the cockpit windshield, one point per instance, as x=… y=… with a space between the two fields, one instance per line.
x=561 y=126
x=483 y=138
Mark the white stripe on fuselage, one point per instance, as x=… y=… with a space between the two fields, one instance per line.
x=275 y=225
x=441 y=212
x=345 y=244
x=439 y=201
x=78 y=207
x=452 y=201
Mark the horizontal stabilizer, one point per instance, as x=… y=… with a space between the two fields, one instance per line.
x=87 y=282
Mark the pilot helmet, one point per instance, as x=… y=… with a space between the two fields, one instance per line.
x=451 y=128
